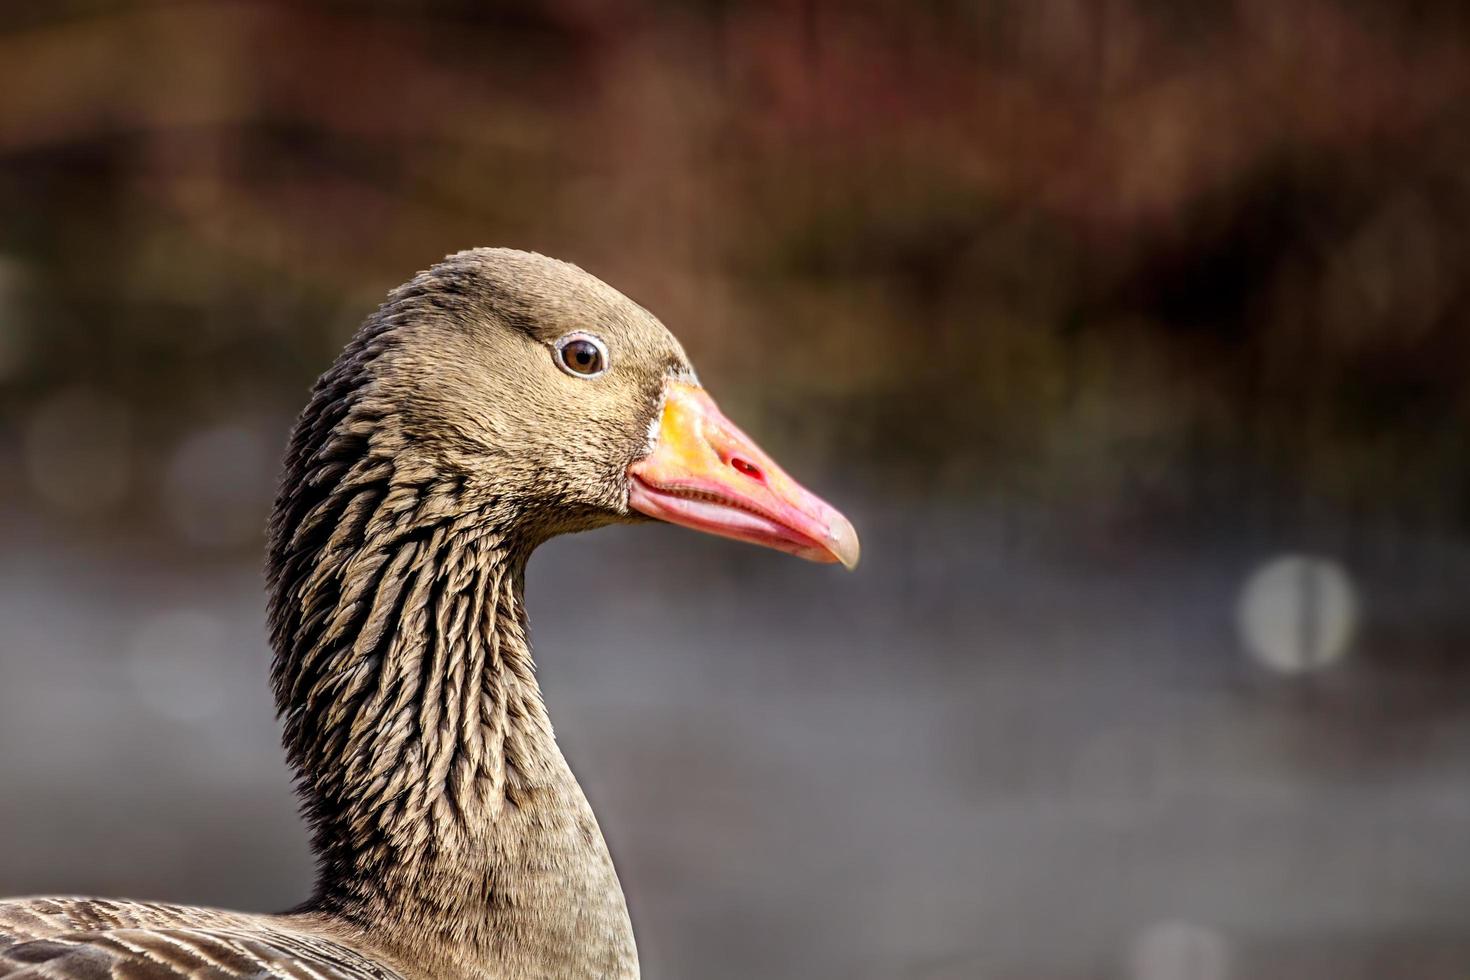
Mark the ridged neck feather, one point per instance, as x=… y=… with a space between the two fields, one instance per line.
x=439 y=801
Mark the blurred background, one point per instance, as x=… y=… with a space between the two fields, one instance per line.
x=1131 y=334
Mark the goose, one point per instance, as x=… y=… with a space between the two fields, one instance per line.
x=492 y=402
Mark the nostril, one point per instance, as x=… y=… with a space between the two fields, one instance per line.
x=748 y=468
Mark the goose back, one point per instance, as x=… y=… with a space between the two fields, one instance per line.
x=98 y=939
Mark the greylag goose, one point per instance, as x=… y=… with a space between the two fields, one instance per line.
x=494 y=401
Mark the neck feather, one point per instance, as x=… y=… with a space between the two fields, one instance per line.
x=440 y=803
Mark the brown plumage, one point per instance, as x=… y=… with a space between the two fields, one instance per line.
x=438 y=451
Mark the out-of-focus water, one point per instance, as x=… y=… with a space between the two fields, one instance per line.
x=970 y=759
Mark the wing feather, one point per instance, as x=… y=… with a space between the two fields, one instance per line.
x=95 y=939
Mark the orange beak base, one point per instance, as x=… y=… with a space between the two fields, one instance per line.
x=706 y=474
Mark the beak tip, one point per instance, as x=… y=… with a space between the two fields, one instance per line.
x=843 y=543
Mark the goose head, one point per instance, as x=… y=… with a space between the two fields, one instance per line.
x=550 y=398
x=494 y=401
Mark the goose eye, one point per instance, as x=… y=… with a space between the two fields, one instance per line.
x=582 y=355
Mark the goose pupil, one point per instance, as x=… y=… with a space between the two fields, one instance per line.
x=582 y=356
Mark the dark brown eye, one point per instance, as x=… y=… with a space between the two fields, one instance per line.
x=582 y=355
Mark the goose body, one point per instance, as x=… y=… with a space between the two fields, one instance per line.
x=494 y=401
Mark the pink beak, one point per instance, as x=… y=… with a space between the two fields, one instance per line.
x=706 y=474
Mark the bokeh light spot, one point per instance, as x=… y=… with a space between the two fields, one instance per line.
x=1179 y=951
x=218 y=485
x=1297 y=613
